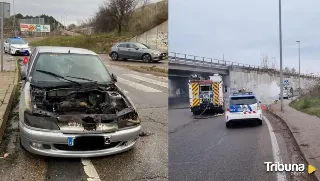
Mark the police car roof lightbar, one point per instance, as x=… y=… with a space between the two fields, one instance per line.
x=242 y=93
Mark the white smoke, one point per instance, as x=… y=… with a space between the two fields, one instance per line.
x=267 y=93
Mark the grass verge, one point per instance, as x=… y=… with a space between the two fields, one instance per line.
x=309 y=105
x=98 y=43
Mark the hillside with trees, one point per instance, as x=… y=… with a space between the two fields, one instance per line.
x=49 y=20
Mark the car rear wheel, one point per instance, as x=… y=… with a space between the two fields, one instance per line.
x=114 y=56
x=4 y=49
x=228 y=125
x=146 y=58
x=260 y=122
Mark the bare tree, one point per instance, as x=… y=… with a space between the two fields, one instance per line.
x=264 y=60
x=120 y=11
x=144 y=3
x=287 y=70
x=293 y=70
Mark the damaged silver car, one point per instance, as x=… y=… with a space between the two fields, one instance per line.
x=71 y=106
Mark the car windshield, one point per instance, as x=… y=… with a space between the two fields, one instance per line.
x=17 y=41
x=88 y=67
x=245 y=100
x=205 y=88
x=141 y=45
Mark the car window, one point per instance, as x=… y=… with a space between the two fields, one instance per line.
x=141 y=45
x=122 y=45
x=245 y=100
x=74 y=65
x=205 y=88
x=132 y=46
x=17 y=41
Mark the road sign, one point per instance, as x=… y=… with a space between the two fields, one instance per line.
x=286 y=82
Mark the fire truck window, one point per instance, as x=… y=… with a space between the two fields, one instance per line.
x=205 y=88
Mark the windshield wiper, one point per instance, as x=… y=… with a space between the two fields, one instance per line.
x=59 y=76
x=81 y=78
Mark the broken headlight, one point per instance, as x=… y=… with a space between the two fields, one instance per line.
x=124 y=123
x=41 y=122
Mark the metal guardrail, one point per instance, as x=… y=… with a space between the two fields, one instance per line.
x=185 y=59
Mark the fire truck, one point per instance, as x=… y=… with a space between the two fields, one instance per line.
x=206 y=94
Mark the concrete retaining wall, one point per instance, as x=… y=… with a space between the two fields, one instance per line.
x=156 y=38
x=251 y=79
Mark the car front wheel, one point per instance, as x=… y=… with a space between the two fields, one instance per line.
x=146 y=58
x=114 y=56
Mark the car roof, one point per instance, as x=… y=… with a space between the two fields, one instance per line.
x=57 y=49
x=242 y=94
x=15 y=37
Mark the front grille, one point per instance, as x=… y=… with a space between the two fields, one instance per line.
x=88 y=143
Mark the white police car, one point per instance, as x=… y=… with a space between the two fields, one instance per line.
x=243 y=106
x=16 y=46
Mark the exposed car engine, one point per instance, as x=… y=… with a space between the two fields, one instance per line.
x=66 y=101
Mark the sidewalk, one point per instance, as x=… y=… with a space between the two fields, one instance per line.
x=8 y=85
x=306 y=131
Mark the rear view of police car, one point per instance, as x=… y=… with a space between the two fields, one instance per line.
x=243 y=107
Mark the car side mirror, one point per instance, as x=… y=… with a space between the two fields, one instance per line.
x=114 y=77
x=137 y=48
x=259 y=101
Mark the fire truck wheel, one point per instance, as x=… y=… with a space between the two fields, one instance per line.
x=197 y=112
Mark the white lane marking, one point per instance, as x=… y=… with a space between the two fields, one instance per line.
x=137 y=86
x=90 y=170
x=152 y=81
x=281 y=176
x=150 y=75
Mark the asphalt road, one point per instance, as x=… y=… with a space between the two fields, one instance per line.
x=107 y=59
x=147 y=161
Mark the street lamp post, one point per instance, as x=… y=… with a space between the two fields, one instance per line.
x=281 y=71
x=299 y=65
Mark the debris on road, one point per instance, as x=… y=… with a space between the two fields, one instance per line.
x=5 y=155
x=144 y=133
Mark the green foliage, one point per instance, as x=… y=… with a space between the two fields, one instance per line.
x=98 y=43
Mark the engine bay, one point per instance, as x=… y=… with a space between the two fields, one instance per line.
x=72 y=101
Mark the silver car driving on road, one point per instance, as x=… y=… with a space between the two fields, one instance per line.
x=137 y=51
x=71 y=106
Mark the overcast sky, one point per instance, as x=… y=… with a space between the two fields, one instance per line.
x=243 y=30
x=72 y=10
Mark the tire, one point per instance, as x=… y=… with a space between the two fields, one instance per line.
x=146 y=57
x=4 y=49
x=228 y=125
x=196 y=113
x=114 y=56
x=260 y=122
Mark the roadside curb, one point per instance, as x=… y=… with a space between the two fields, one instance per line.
x=145 y=69
x=10 y=96
x=304 y=155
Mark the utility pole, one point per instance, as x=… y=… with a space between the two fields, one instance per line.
x=299 y=64
x=14 y=20
x=281 y=71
